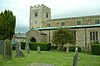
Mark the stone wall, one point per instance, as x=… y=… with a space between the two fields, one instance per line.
x=82 y=36
x=41 y=21
x=42 y=11
x=85 y=20
x=37 y=35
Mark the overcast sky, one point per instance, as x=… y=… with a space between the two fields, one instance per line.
x=59 y=9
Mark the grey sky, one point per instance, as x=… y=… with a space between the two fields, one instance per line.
x=59 y=9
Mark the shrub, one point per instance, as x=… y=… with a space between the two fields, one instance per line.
x=72 y=48
x=53 y=47
x=33 y=46
x=13 y=47
x=23 y=45
x=95 y=42
x=95 y=49
x=43 y=46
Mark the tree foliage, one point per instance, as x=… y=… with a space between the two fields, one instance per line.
x=62 y=36
x=7 y=24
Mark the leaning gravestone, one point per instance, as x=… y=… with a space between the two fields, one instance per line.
x=75 y=59
x=19 y=53
x=27 y=48
x=7 y=54
x=1 y=47
x=38 y=49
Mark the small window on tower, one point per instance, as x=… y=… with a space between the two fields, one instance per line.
x=35 y=22
x=36 y=14
x=48 y=25
x=47 y=15
x=97 y=21
x=78 y=22
x=62 y=23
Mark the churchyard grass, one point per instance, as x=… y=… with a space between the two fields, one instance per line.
x=51 y=57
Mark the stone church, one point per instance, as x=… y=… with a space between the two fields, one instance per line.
x=86 y=28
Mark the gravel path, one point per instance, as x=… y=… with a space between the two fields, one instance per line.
x=40 y=64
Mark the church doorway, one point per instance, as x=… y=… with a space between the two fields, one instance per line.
x=33 y=39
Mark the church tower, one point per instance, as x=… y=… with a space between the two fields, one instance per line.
x=39 y=14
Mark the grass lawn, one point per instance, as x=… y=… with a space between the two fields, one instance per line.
x=52 y=57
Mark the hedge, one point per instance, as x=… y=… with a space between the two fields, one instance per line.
x=33 y=46
x=72 y=48
x=23 y=45
x=13 y=47
x=53 y=47
x=95 y=49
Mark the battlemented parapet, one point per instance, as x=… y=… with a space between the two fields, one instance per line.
x=38 y=14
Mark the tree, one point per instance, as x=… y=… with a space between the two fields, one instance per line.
x=62 y=36
x=7 y=25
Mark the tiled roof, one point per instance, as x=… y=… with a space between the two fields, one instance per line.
x=78 y=26
x=91 y=16
x=20 y=34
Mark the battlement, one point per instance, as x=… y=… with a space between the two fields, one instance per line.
x=38 y=14
x=39 y=6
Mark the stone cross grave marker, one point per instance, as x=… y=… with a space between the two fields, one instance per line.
x=27 y=48
x=75 y=59
x=38 y=49
x=1 y=47
x=7 y=54
x=19 y=53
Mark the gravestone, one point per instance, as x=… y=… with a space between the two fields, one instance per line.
x=38 y=49
x=75 y=59
x=67 y=49
x=27 y=48
x=1 y=47
x=19 y=53
x=18 y=46
x=7 y=54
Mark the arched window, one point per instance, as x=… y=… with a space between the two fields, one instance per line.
x=78 y=22
x=46 y=15
x=36 y=14
x=33 y=39
x=62 y=24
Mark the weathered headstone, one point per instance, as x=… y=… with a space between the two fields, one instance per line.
x=18 y=46
x=27 y=48
x=19 y=53
x=1 y=47
x=75 y=59
x=7 y=54
x=67 y=49
x=38 y=49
